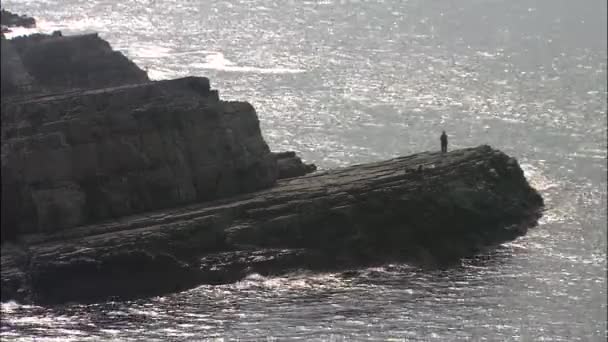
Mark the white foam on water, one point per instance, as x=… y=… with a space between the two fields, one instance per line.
x=12 y=306
x=148 y=312
x=21 y=31
x=45 y=26
x=159 y=74
x=556 y=211
x=485 y=54
x=217 y=61
x=536 y=177
x=149 y=51
x=86 y=24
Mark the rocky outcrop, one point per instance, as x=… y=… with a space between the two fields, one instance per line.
x=87 y=156
x=429 y=208
x=114 y=186
x=14 y=76
x=57 y=63
x=9 y=19
x=290 y=165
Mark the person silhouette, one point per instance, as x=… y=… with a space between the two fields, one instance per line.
x=444 y=142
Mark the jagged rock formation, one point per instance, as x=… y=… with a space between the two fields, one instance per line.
x=56 y=63
x=290 y=165
x=428 y=207
x=9 y=19
x=82 y=157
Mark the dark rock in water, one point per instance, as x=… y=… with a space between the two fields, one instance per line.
x=42 y=63
x=9 y=19
x=88 y=142
x=291 y=165
x=87 y=156
x=343 y=218
x=136 y=272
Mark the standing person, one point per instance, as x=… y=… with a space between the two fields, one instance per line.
x=444 y=142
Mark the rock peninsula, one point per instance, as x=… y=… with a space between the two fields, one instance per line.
x=115 y=186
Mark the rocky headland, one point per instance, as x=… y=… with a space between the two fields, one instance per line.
x=115 y=186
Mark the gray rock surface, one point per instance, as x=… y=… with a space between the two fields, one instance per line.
x=14 y=77
x=86 y=156
x=114 y=186
x=427 y=208
x=57 y=63
x=290 y=165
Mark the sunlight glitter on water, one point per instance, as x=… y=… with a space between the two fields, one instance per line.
x=367 y=90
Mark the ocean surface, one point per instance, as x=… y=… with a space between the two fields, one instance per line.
x=346 y=82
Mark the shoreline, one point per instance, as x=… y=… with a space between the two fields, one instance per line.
x=153 y=187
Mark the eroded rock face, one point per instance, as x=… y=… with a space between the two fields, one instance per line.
x=83 y=157
x=427 y=208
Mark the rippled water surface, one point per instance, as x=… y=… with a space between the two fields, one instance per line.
x=354 y=81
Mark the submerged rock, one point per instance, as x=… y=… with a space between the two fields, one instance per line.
x=460 y=202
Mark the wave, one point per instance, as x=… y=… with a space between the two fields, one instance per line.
x=217 y=61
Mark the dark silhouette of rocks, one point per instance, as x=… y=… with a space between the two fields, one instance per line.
x=360 y=215
x=56 y=63
x=9 y=19
x=290 y=165
x=14 y=76
x=81 y=157
x=116 y=186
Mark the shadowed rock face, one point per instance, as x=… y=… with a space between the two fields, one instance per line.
x=428 y=208
x=14 y=76
x=290 y=165
x=82 y=157
x=53 y=63
x=9 y=19
x=78 y=164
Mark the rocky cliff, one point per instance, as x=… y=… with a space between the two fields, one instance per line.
x=14 y=77
x=428 y=208
x=55 y=63
x=116 y=186
x=86 y=156
x=290 y=165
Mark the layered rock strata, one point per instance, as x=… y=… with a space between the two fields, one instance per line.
x=115 y=186
x=86 y=156
x=428 y=207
